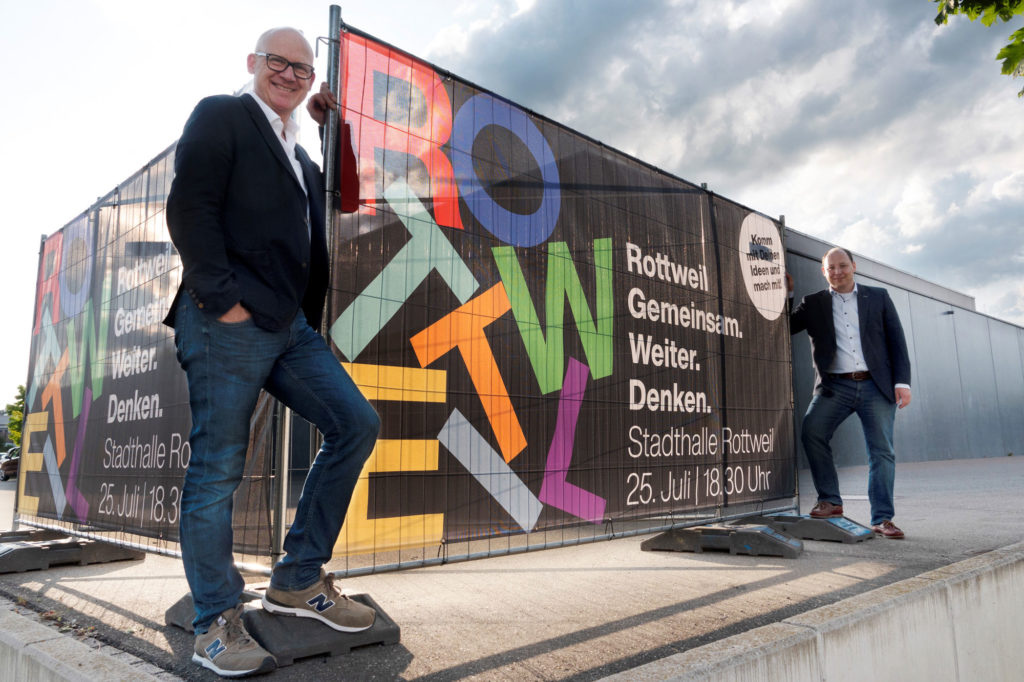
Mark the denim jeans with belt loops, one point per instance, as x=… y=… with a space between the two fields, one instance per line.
x=226 y=365
x=877 y=416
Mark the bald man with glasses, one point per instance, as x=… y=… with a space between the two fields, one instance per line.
x=246 y=213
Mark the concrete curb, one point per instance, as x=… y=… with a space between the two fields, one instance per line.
x=30 y=650
x=957 y=623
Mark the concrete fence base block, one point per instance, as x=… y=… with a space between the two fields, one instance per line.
x=289 y=638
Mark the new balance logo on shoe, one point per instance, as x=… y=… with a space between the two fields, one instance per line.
x=320 y=602
x=228 y=650
x=215 y=648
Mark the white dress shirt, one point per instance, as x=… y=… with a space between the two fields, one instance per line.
x=849 y=353
x=287 y=135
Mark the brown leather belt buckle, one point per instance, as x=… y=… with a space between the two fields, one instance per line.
x=854 y=376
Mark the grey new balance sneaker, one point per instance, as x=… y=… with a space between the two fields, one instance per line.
x=322 y=601
x=228 y=650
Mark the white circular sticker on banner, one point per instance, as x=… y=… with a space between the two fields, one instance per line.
x=762 y=264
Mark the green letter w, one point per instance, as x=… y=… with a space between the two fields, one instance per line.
x=547 y=351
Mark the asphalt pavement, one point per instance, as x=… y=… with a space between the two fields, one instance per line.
x=571 y=613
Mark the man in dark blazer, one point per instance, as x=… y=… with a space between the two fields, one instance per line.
x=861 y=366
x=246 y=213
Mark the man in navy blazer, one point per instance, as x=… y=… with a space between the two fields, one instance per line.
x=246 y=213
x=861 y=366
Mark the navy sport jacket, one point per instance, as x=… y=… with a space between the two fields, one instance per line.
x=238 y=217
x=881 y=337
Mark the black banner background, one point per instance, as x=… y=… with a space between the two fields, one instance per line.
x=664 y=388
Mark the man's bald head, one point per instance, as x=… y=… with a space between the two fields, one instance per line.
x=279 y=87
x=291 y=33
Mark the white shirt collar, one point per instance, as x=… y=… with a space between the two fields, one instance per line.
x=291 y=130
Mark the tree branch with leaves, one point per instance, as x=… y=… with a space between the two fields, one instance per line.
x=16 y=415
x=1013 y=53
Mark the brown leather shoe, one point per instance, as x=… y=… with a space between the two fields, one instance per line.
x=888 y=529
x=826 y=510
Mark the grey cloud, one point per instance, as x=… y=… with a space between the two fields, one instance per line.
x=671 y=83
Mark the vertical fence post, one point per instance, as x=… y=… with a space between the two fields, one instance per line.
x=331 y=133
x=281 y=479
x=284 y=414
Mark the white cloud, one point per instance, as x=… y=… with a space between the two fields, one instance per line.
x=916 y=212
x=1009 y=187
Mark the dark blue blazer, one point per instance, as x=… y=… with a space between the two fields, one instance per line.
x=238 y=217
x=881 y=337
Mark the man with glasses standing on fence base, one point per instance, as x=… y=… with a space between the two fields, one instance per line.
x=861 y=365
x=246 y=213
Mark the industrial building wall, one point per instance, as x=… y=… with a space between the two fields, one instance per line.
x=968 y=368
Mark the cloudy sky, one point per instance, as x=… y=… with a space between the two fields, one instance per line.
x=862 y=122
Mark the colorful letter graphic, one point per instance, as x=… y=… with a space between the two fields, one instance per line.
x=512 y=228
x=427 y=251
x=48 y=354
x=363 y=532
x=51 y=397
x=48 y=282
x=31 y=458
x=89 y=354
x=77 y=261
x=463 y=328
x=78 y=501
x=487 y=467
x=402 y=109
x=547 y=355
x=555 y=490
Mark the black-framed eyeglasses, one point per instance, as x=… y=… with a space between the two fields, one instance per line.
x=279 y=64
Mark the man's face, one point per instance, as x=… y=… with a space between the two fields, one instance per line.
x=282 y=91
x=838 y=270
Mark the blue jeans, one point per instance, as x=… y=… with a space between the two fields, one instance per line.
x=226 y=366
x=877 y=416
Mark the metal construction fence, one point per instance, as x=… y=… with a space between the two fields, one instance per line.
x=563 y=343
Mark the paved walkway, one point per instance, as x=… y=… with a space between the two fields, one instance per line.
x=574 y=613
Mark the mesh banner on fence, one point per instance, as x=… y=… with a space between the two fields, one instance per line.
x=105 y=443
x=556 y=336
x=562 y=342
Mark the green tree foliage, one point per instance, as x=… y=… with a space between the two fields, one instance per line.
x=16 y=414
x=988 y=11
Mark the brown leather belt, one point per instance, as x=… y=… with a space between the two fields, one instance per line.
x=855 y=376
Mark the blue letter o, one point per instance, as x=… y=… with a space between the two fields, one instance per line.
x=516 y=229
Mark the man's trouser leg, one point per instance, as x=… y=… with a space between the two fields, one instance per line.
x=309 y=379
x=878 y=415
x=824 y=415
x=226 y=365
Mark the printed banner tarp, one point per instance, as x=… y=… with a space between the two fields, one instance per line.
x=556 y=333
x=553 y=333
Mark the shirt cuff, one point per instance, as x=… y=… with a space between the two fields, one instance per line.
x=906 y=386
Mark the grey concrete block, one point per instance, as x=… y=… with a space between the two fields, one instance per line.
x=290 y=638
x=752 y=540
